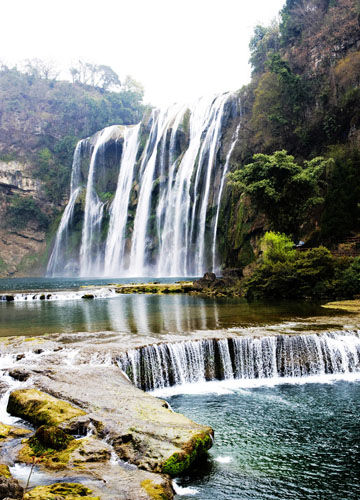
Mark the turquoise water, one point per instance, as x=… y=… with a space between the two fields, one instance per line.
x=285 y=442
x=134 y=314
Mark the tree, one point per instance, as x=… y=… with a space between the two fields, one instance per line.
x=281 y=189
x=41 y=69
x=100 y=76
x=266 y=40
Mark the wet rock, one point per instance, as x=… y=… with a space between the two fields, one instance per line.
x=229 y=284
x=88 y=296
x=10 y=432
x=38 y=351
x=233 y=273
x=9 y=298
x=20 y=357
x=19 y=374
x=40 y=408
x=9 y=487
x=142 y=430
x=52 y=437
x=3 y=387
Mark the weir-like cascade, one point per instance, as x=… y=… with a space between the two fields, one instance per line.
x=164 y=365
x=145 y=199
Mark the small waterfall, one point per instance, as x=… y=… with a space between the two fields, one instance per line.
x=165 y=365
x=61 y=241
x=223 y=178
x=153 y=211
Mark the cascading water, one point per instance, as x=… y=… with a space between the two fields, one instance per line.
x=55 y=263
x=162 y=217
x=164 y=365
x=90 y=257
x=115 y=243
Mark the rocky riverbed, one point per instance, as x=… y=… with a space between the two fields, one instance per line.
x=86 y=425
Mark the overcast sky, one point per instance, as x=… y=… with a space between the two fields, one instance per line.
x=178 y=49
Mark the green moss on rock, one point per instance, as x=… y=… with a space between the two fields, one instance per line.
x=40 y=408
x=52 y=437
x=9 y=432
x=4 y=471
x=179 y=462
x=47 y=456
x=67 y=491
x=155 y=491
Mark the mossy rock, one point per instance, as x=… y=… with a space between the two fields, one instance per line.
x=46 y=456
x=4 y=471
x=9 y=432
x=52 y=437
x=60 y=491
x=155 y=491
x=77 y=454
x=179 y=462
x=345 y=305
x=40 y=408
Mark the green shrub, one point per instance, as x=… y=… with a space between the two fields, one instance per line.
x=24 y=210
x=277 y=247
x=349 y=280
x=313 y=274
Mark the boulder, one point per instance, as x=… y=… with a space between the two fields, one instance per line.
x=40 y=408
x=61 y=491
x=19 y=374
x=52 y=437
x=9 y=487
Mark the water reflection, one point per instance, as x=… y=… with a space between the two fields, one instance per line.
x=143 y=315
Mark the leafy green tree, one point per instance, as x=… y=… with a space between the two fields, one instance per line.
x=277 y=247
x=266 y=40
x=341 y=214
x=283 y=190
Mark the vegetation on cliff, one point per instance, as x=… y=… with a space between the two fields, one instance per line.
x=42 y=118
x=304 y=99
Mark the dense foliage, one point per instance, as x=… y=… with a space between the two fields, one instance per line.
x=285 y=191
x=285 y=273
x=304 y=98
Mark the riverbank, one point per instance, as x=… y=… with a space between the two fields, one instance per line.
x=119 y=442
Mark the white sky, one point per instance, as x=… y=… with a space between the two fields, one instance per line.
x=178 y=49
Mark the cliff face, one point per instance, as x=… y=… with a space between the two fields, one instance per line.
x=304 y=98
x=21 y=248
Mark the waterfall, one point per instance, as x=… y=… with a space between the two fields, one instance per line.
x=115 y=243
x=61 y=240
x=90 y=257
x=160 y=215
x=164 y=365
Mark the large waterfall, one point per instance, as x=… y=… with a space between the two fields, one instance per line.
x=164 y=365
x=145 y=199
